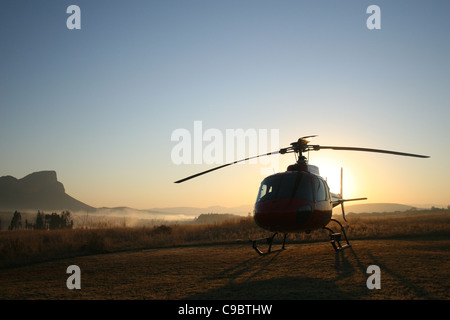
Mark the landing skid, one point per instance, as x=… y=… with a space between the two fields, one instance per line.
x=269 y=241
x=335 y=240
x=335 y=237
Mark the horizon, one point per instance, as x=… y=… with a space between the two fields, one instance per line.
x=136 y=95
x=243 y=207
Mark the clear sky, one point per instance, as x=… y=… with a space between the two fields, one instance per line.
x=99 y=105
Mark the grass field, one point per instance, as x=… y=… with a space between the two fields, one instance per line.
x=409 y=270
x=217 y=262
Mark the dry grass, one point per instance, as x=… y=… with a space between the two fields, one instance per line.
x=24 y=247
x=410 y=269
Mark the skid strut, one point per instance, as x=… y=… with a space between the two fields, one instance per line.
x=335 y=237
x=269 y=241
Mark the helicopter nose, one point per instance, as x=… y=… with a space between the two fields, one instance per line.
x=303 y=214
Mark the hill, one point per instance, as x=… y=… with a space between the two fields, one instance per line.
x=376 y=207
x=213 y=218
x=240 y=210
x=37 y=191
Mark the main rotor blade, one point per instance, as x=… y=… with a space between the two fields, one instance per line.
x=226 y=165
x=370 y=150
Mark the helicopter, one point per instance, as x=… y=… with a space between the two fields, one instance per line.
x=299 y=199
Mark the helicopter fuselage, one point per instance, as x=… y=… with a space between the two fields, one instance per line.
x=297 y=200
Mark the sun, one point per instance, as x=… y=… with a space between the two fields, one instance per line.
x=331 y=172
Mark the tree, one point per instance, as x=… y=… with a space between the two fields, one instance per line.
x=53 y=221
x=39 y=225
x=16 y=221
x=66 y=220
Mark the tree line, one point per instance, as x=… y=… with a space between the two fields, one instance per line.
x=43 y=221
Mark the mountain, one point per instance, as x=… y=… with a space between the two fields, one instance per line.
x=375 y=207
x=37 y=191
x=189 y=212
x=240 y=210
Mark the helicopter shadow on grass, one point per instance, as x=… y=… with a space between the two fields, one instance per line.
x=344 y=266
x=284 y=288
x=246 y=269
x=246 y=281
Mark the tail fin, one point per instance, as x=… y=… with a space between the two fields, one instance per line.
x=340 y=199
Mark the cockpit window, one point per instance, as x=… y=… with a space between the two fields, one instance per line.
x=269 y=188
x=321 y=190
x=286 y=186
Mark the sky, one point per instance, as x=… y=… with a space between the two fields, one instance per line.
x=102 y=105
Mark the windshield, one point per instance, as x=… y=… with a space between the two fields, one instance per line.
x=286 y=186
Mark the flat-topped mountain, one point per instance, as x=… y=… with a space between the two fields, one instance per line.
x=37 y=191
